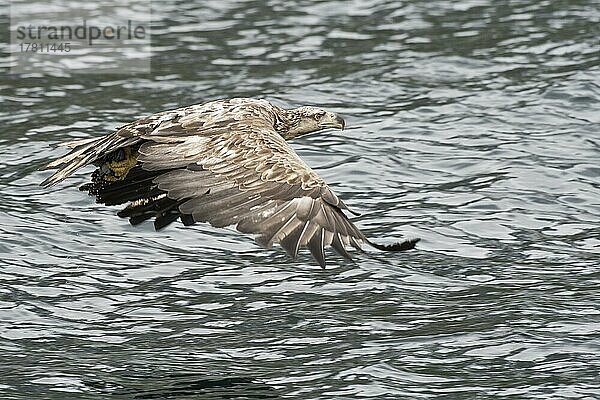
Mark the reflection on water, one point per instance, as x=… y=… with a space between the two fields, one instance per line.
x=192 y=386
x=472 y=124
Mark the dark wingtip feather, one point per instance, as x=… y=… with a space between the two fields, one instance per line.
x=315 y=245
x=187 y=219
x=46 y=182
x=52 y=179
x=339 y=247
x=165 y=218
x=43 y=167
x=355 y=213
x=400 y=246
x=138 y=219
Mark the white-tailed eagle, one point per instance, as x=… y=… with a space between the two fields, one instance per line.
x=224 y=162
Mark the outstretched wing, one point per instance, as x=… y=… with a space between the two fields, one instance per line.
x=254 y=180
x=208 y=119
x=224 y=165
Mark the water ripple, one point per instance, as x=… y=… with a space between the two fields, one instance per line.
x=472 y=125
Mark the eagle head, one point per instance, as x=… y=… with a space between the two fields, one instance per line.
x=308 y=119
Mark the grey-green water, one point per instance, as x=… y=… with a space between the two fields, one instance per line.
x=471 y=124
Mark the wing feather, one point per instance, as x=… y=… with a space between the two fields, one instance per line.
x=223 y=163
x=316 y=245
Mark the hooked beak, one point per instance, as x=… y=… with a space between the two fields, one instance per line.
x=341 y=122
x=334 y=121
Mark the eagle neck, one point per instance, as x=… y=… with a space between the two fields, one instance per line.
x=282 y=121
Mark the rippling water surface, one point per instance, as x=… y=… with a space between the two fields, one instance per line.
x=473 y=125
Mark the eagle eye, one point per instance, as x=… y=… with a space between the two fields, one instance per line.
x=319 y=115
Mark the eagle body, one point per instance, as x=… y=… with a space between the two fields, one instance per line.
x=224 y=162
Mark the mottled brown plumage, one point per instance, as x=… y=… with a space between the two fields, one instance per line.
x=224 y=162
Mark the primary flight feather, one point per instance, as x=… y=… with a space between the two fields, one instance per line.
x=224 y=162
